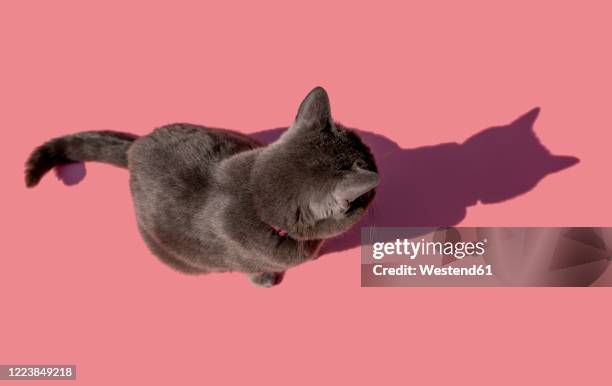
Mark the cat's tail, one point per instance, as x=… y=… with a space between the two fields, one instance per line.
x=101 y=146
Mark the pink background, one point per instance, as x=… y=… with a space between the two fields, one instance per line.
x=77 y=284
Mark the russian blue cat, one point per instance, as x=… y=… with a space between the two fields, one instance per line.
x=213 y=200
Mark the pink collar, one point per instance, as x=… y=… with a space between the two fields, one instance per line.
x=280 y=232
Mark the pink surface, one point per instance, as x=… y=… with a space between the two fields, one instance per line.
x=78 y=286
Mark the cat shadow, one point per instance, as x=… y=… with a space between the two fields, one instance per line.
x=434 y=185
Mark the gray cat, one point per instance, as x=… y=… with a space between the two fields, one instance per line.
x=214 y=200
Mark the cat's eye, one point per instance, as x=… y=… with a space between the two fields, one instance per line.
x=356 y=165
x=359 y=164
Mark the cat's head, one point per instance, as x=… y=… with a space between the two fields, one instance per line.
x=318 y=178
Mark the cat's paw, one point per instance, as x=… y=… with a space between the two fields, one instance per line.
x=266 y=279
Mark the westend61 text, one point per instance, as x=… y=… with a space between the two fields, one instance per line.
x=432 y=270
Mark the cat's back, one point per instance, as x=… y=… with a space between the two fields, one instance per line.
x=171 y=169
x=180 y=156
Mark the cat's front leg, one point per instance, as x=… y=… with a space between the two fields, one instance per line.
x=266 y=279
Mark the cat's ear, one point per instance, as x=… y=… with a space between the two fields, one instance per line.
x=527 y=120
x=354 y=184
x=315 y=107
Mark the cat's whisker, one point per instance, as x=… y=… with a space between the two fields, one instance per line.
x=372 y=222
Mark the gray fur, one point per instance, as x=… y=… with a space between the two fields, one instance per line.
x=212 y=200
